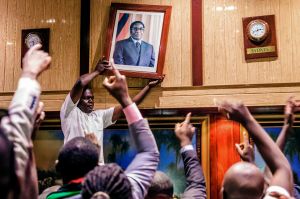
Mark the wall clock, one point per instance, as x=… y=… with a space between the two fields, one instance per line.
x=30 y=37
x=258 y=30
x=259 y=37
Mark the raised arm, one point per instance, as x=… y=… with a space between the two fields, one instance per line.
x=138 y=98
x=245 y=150
x=85 y=79
x=288 y=122
x=287 y=128
x=18 y=125
x=142 y=169
x=196 y=187
x=274 y=158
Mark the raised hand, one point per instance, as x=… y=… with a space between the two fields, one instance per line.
x=236 y=111
x=289 y=109
x=35 y=62
x=154 y=83
x=245 y=150
x=103 y=65
x=184 y=131
x=93 y=138
x=40 y=116
x=117 y=87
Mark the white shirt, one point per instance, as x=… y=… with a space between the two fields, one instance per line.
x=186 y=148
x=276 y=189
x=75 y=123
x=136 y=41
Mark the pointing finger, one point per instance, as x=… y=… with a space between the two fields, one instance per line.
x=246 y=140
x=114 y=69
x=188 y=118
x=106 y=82
x=238 y=148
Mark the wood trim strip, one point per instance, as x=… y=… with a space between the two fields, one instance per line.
x=197 y=65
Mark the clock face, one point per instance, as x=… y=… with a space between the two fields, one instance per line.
x=257 y=30
x=32 y=39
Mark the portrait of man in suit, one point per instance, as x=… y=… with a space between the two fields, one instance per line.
x=133 y=50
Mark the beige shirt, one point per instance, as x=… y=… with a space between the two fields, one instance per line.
x=75 y=123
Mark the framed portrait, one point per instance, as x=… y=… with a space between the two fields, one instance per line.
x=137 y=38
x=119 y=148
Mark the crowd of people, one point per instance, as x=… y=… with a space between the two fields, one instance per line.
x=80 y=160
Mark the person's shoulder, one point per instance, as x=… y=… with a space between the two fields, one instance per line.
x=147 y=44
x=123 y=41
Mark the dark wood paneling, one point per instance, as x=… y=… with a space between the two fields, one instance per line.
x=84 y=36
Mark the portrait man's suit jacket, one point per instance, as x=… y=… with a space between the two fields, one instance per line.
x=126 y=53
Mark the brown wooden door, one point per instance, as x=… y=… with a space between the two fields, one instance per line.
x=223 y=135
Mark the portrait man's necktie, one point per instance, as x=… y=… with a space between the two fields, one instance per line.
x=138 y=46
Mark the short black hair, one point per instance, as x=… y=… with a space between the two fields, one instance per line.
x=76 y=158
x=136 y=22
x=161 y=184
x=87 y=87
x=110 y=179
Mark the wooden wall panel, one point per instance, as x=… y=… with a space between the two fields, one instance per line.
x=224 y=62
x=63 y=19
x=3 y=19
x=294 y=39
x=223 y=56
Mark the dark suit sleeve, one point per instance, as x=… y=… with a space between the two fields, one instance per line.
x=296 y=191
x=142 y=169
x=152 y=61
x=118 y=54
x=196 y=188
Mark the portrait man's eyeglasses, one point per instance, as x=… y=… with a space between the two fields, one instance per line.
x=136 y=29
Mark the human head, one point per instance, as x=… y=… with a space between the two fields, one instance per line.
x=76 y=158
x=109 y=179
x=137 y=30
x=243 y=180
x=86 y=102
x=161 y=187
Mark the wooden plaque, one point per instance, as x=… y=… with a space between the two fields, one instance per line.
x=267 y=46
x=30 y=37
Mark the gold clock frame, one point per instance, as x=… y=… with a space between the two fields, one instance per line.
x=251 y=23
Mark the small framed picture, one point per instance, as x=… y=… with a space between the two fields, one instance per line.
x=137 y=38
x=30 y=37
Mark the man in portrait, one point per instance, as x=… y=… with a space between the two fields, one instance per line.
x=133 y=50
